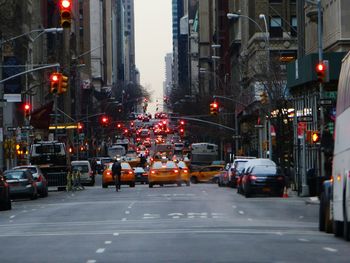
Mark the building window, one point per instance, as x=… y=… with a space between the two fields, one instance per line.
x=276 y=27
x=294 y=28
x=275 y=1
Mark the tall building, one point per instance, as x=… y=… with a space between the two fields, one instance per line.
x=167 y=85
x=130 y=67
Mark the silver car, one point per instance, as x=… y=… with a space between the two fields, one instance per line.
x=40 y=179
x=22 y=183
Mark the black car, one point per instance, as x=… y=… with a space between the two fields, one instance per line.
x=263 y=179
x=141 y=175
x=22 y=183
x=5 y=201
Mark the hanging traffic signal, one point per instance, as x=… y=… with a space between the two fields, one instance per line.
x=65 y=13
x=315 y=137
x=80 y=127
x=214 y=108
x=104 y=121
x=321 y=72
x=63 y=84
x=54 y=82
x=27 y=110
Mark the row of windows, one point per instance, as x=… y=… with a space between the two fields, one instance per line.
x=276 y=26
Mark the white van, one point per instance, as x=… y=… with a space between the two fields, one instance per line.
x=86 y=174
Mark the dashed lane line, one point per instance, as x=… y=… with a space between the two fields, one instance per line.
x=241 y=212
x=108 y=242
x=91 y=261
x=127 y=212
x=333 y=250
x=100 y=250
x=115 y=234
x=303 y=240
x=13 y=216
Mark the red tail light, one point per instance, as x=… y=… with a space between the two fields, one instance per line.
x=185 y=171
x=109 y=173
x=176 y=171
x=252 y=177
x=130 y=172
x=153 y=172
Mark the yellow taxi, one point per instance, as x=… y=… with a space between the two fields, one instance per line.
x=205 y=173
x=184 y=172
x=127 y=175
x=164 y=173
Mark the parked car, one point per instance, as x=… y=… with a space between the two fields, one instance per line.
x=235 y=171
x=22 y=183
x=87 y=176
x=40 y=179
x=164 y=173
x=141 y=175
x=5 y=200
x=263 y=179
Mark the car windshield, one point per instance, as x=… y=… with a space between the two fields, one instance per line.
x=16 y=175
x=139 y=170
x=125 y=166
x=264 y=170
x=157 y=165
x=182 y=165
x=80 y=168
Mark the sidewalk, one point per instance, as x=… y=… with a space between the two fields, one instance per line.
x=310 y=200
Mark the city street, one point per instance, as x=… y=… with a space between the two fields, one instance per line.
x=200 y=223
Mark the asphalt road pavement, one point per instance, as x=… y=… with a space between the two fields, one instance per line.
x=200 y=223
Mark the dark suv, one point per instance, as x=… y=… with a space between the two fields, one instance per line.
x=5 y=201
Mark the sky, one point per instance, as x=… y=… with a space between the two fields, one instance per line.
x=153 y=37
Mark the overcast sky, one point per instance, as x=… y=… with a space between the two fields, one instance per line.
x=153 y=37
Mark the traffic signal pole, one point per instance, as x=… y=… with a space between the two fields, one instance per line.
x=321 y=91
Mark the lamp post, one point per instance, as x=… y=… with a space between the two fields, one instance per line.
x=267 y=46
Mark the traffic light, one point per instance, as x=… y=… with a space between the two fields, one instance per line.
x=104 y=121
x=80 y=127
x=63 y=84
x=322 y=71
x=214 y=108
x=26 y=110
x=119 y=125
x=54 y=82
x=263 y=97
x=65 y=13
x=315 y=137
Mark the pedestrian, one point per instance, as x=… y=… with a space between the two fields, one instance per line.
x=116 y=173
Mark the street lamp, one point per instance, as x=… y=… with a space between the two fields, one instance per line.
x=267 y=46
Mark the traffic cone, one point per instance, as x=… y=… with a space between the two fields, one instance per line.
x=285 y=192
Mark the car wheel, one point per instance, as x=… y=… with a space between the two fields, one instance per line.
x=92 y=183
x=338 y=228
x=150 y=185
x=132 y=184
x=8 y=204
x=188 y=183
x=45 y=193
x=194 y=180
x=179 y=184
x=34 y=195
x=104 y=185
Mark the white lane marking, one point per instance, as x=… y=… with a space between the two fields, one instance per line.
x=124 y=219
x=151 y=216
x=301 y=217
x=13 y=216
x=115 y=234
x=175 y=217
x=33 y=209
x=303 y=240
x=279 y=233
x=131 y=205
x=100 y=250
x=234 y=206
x=250 y=219
x=241 y=212
x=91 y=261
x=330 y=249
x=24 y=211
x=176 y=214
x=127 y=212
x=108 y=242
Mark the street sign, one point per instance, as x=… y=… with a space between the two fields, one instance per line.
x=27 y=128
x=325 y=102
x=306 y=118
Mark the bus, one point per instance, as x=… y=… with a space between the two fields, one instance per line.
x=204 y=153
x=341 y=159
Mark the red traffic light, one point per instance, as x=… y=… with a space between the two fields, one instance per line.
x=54 y=77
x=315 y=136
x=119 y=125
x=65 y=4
x=104 y=120
x=27 y=106
x=320 y=67
x=182 y=122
